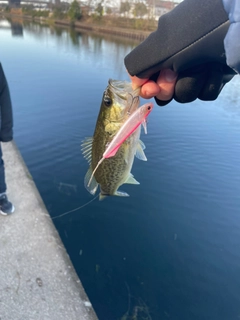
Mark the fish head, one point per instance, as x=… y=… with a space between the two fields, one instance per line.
x=119 y=101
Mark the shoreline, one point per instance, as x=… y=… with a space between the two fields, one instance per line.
x=117 y=31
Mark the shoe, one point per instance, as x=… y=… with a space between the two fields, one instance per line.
x=6 y=206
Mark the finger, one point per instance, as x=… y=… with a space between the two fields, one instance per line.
x=190 y=84
x=166 y=83
x=213 y=84
x=149 y=90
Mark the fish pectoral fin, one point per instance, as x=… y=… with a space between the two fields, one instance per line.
x=121 y=194
x=131 y=180
x=139 y=151
x=87 y=149
x=92 y=187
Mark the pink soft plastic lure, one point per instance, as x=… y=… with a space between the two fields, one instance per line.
x=137 y=118
x=133 y=122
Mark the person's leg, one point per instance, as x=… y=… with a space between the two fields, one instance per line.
x=3 y=186
x=6 y=206
x=6 y=123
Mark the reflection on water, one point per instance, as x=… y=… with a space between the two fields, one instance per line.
x=16 y=26
x=170 y=250
x=76 y=37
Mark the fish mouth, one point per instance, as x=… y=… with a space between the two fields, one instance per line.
x=123 y=89
x=124 y=96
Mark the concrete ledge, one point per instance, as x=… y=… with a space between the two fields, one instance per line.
x=37 y=279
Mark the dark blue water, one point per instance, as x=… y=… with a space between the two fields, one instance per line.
x=172 y=249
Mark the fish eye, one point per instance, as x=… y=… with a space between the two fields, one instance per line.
x=107 y=101
x=149 y=108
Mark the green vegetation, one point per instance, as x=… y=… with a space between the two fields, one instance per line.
x=99 y=9
x=58 y=13
x=6 y=9
x=140 y=9
x=74 y=12
x=29 y=10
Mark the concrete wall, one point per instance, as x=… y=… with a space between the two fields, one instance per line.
x=37 y=278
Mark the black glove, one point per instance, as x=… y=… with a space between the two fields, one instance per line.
x=189 y=40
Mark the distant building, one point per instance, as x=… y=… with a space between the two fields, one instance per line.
x=14 y=3
x=160 y=7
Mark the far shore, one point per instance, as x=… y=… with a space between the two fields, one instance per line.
x=123 y=32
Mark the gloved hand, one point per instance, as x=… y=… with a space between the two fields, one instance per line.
x=189 y=40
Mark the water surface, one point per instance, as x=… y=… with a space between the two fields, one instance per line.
x=170 y=250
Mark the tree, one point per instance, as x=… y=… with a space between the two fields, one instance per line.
x=99 y=9
x=125 y=7
x=74 y=11
x=140 y=9
x=58 y=12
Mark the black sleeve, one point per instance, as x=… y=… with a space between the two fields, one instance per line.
x=6 y=116
x=191 y=34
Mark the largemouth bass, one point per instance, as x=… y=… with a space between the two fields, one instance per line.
x=118 y=104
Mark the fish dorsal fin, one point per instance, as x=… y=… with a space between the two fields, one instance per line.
x=131 y=180
x=93 y=185
x=139 y=152
x=121 y=194
x=87 y=149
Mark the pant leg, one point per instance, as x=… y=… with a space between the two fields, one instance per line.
x=3 y=186
x=6 y=115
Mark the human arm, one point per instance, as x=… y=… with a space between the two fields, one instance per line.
x=232 y=39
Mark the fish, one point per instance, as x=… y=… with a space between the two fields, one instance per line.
x=137 y=118
x=119 y=102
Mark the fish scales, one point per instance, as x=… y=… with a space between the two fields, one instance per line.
x=115 y=170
